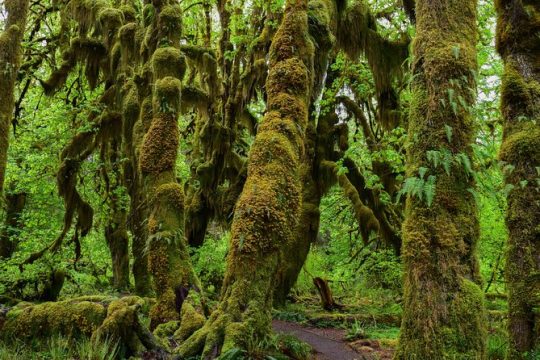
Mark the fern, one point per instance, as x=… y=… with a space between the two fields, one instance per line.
x=429 y=189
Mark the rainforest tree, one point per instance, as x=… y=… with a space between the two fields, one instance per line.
x=10 y=61
x=518 y=42
x=269 y=208
x=443 y=308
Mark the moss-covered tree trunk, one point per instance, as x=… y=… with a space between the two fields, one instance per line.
x=10 y=61
x=518 y=42
x=169 y=260
x=118 y=242
x=269 y=208
x=307 y=229
x=443 y=312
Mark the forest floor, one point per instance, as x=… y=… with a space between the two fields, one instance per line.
x=330 y=343
x=365 y=329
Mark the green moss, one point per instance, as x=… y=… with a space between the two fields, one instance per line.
x=167 y=94
x=129 y=12
x=129 y=43
x=166 y=330
x=67 y=318
x=191 y=322
x=443 y=316
x=168 y=61
x=518 y=23
x=170 y=24
x=521 y=147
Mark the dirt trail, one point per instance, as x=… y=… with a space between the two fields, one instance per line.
x=327 y=343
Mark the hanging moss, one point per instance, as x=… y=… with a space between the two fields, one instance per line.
x=85 y=12
x=129 y=12
x=169 y=25
x=129 y=37
x=110 y=21
x=443 y=313
x=168 y=62
x=90 y=52
x=204 y=61
x=357 y=35
x=364 y=215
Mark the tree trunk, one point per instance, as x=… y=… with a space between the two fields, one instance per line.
x=132 y=140
x=10 y=61
x=141 y=275
x=519 y=45
x=327 y=299
x=118 y=241
x=269 y=208
x=168 y=258
x=8 y=238
x=443 y=314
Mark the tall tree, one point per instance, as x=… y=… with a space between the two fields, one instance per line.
x=10 y=61
x=269 y=208
x=518 y=42
x=443 y=315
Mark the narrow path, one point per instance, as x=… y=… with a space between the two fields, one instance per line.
x=326 y=343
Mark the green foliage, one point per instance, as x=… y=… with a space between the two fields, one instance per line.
x=209 y=262
x=58 y=348
x=355 y=332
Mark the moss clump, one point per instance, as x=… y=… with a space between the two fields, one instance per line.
x=167 y=95
x=129 y=12
x=168 y=61
x=160 y=145
x=129 y=44
x=67 y=318
x=191 y=322
x=170 y=24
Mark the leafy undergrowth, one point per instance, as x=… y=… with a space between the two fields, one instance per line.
x=59 y=348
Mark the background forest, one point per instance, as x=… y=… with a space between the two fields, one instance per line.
x=84 y=153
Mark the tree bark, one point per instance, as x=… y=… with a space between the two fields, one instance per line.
x=10 y=61
x=518 y=43
x=443 y=312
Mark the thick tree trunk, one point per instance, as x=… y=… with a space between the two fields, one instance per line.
x=443 y=315
x=518 y=42
x=269 y=208
x=10 y=61
x=8 y=237
x=306 y=234
x=169 y=260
